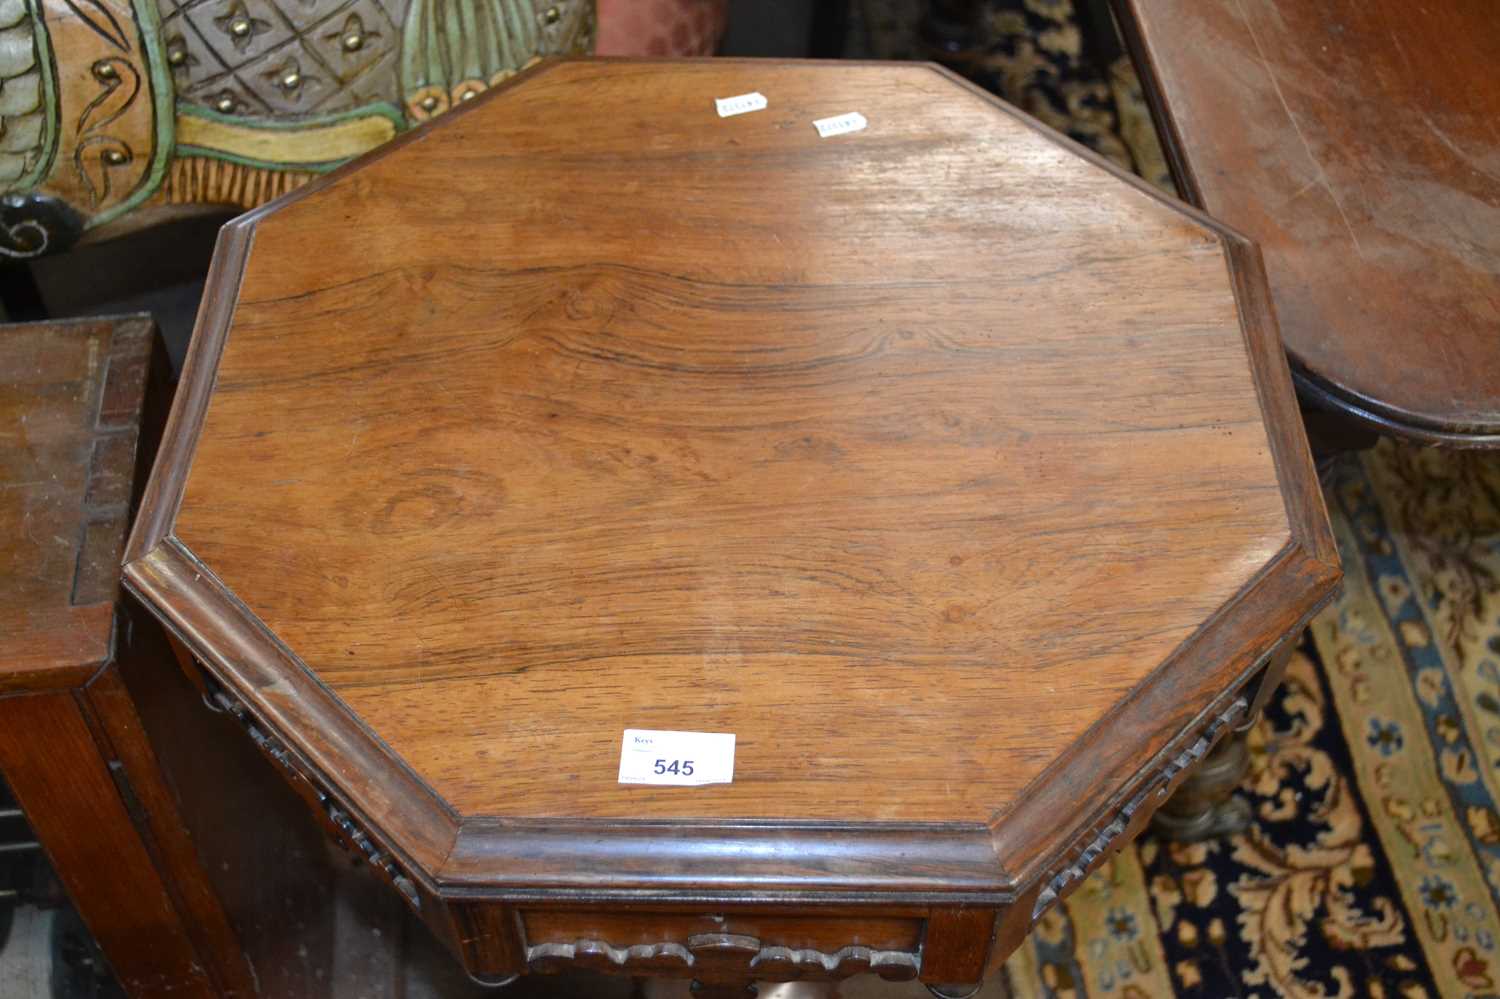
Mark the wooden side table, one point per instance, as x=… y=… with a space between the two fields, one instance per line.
x=1350 y=139
x=952 y=473
x=72 y=746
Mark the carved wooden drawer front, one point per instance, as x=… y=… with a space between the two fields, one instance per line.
x=765 y=947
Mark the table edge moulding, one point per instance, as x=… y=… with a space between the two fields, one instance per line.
x=459 y=871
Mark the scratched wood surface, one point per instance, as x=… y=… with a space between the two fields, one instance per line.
x=1356 y=141
x=902 y=455
x=70 y=396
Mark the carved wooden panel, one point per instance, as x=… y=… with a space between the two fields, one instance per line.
x=112 y=106
x=725 y=955
x=25 y=121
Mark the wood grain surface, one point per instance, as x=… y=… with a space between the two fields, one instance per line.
x=71 y=800
x=903 y=455
x=130 y=747
x=1356 y=141
x=70 y=401
x=79 y=424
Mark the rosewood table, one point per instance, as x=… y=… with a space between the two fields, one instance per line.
x=1355 y=141
x=835 y=408
x=73 y=747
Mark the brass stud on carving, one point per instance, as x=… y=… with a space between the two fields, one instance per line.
x=353 y=42
x=291 y=81
x=430 y=102
x=552 y=15
x=114 y=157
x=239 y=27
x=178 y=56
x=106 y=71
x=468 y=95
x=225 y=104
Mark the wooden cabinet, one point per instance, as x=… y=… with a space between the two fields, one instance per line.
x=72 y=744
x=954 y=473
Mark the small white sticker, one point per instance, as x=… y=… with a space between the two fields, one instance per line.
x=651 y=757
x=743 y=104
x=840 y=125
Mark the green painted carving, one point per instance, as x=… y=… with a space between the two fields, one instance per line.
x=109 y=108
x=28 y=97
x=448 y=43
x=383 y=110
x=159 y=92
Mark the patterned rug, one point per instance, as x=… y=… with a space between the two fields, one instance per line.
x=1035 y=54
x=1373 y=866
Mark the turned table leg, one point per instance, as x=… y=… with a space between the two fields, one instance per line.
x=1331 y=434
x=949 y=30
x=1205 y=805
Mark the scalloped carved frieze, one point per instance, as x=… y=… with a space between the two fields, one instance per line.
x=1123 y=826
x=354 y=836
x=724 y=955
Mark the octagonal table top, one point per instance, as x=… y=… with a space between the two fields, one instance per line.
x=951 y=471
